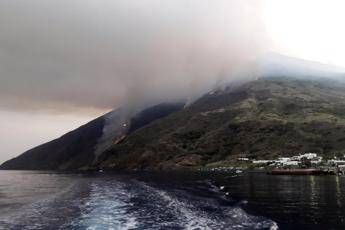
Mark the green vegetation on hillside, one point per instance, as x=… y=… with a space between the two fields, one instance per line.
x=261 y=119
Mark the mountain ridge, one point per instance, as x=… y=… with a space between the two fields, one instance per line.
x=294 y=106
x=264 y=118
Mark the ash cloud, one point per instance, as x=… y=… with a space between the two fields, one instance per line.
x=107 y=53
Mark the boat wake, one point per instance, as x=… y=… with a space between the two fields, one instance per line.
x=188 y=211
x=128 y=203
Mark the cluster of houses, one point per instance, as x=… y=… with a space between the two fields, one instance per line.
x=300 y=160
x=303 y=161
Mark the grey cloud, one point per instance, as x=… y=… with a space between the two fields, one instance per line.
x=103 y=53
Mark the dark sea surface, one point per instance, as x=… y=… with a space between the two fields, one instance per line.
x=50 y=200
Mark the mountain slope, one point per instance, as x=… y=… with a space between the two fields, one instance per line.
x=72 y=150
x=77 y=149
x=263 y=118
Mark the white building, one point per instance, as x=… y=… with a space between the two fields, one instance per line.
x=283 y=159
x=243 y=159
x=336 y=162
x=295 y=160
x=287 y=161
x=291 y=163
x=262 y=161
x=309 y=156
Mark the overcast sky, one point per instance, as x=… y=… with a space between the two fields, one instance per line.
x=64 y=62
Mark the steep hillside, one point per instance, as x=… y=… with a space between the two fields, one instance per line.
x=77 y=149
x=261 y=119
x=71 y=151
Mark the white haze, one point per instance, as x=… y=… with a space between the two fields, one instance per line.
x=307 y=29
x=86 y=57
x=105 y=53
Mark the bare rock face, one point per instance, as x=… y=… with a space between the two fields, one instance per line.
x=189 y=160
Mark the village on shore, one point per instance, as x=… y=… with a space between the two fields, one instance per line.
x=303 y=163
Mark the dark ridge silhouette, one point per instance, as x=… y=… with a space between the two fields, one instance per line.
x=71 y=151
x=75 y=150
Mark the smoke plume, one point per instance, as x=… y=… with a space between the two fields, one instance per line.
x=103 y=54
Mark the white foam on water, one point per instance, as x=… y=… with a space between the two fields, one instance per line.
x=105 y=208
x=192 y=218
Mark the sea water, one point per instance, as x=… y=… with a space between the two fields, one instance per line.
x=51 y=200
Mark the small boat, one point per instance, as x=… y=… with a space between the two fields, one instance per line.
x=295 y=172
